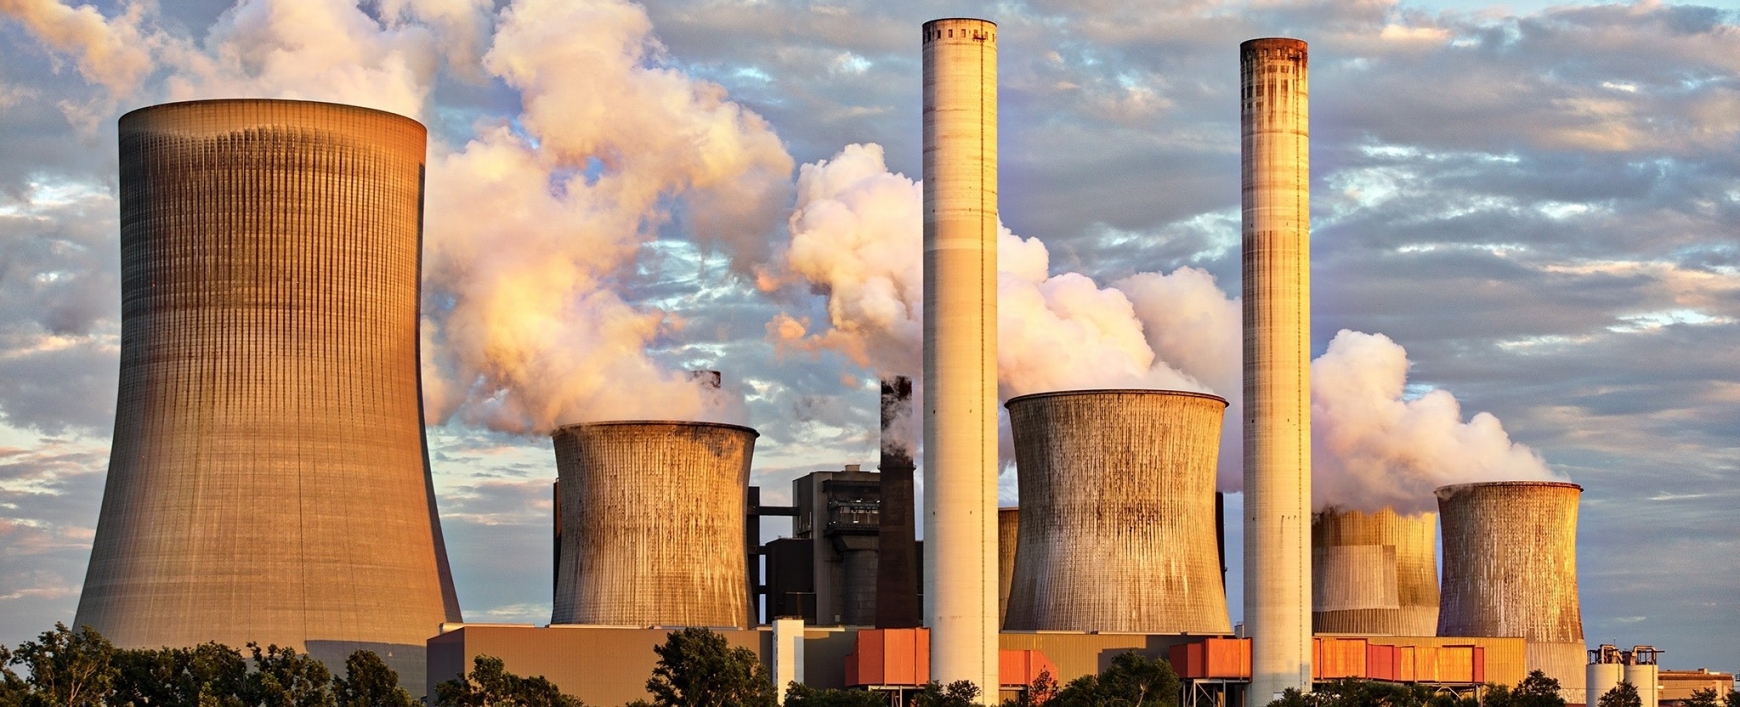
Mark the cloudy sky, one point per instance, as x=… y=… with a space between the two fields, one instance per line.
x=1525 y=216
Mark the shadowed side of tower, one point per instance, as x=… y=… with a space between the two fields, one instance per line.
x=1277 y=322
x=269 y=479
x=960 y=350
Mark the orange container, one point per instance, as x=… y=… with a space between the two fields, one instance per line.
x=1456 y=664
x=1338 y=658
x=1380 y=662
x=1226 y=658
x=1021 y=667
x=893 y=656
x=1480 y=665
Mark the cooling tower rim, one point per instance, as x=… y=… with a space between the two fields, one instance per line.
x=939 y=20
x=129 y=116
x=1260 y=42
x=1445 y=492
x=1111 y=391
x=1000 y=509
x=1341 y=511
x=654 y=423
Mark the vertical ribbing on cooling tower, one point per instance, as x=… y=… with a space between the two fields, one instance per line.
x=268 y=480
x=1117 y=513
x=1510 y=570
x=1277 y=320
x=652 y=524
x=960 y=350
x=1374 y=573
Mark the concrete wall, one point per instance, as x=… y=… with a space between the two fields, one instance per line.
x=268 y=479
x=1277 y=317
x=652 y=524
x=1117 y=527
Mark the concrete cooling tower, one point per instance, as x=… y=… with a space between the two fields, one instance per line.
x=268 y=480
x=1117 y=528
x=1374 y=574
x=652 y=524
x=1510 y=570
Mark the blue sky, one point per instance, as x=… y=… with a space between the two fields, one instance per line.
x=1540 y=202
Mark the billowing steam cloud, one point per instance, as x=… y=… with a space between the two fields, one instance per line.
x=532 y=224
x=535 y=226
x=1374 y=448
x=857 y=236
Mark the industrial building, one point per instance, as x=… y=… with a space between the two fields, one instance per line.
x=277 y=242
x=1276 y=266
x=1117 y=522
x=1374 y=574
x=1510 y=569
x=269 y=480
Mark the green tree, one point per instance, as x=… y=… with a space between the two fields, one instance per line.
x=1537 y=690
x=1622 y=695
x=1732 y=700
x=67 y=668
x=209 y=675
x=1131 y=680
x=13 y=689
x=799 y=695
x=960 y=693
x=284 y=678
x=491 y=685
x=1703 y=698
x=1039 y=692
x=1496 y=696
x=697 y=668
x=369 y=682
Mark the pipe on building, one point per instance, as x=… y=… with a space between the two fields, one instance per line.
x=1510 y=570
x=1374 y=574
x=653 y=524
x=960 y=349
x=1117 y=526
x=1276 y=228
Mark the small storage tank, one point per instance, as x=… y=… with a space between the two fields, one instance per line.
x=1510 y=570
x=1008 y=529
x=1117 y=528
x=652 y=524
x=1606 y=670
x=1641 y=672
x=1374 y=574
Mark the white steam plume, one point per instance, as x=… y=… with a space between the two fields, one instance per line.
x=857 y=237
x=1374 y=448
x=532 y=224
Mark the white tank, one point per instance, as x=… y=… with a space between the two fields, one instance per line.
x=1642 y=677
x=1603 y=677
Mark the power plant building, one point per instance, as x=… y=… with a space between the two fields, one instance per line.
x=268 y=480
x=652 y=524
x=960 y=347
x=1117 y=527
x=1510 y=569
x=1276 y=226
x=1374 y=574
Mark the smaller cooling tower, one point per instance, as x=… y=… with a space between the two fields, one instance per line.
x=652 y=524
x=1117 y=528
x=1008 y=529
x=1510 y=570
x=1374 y=573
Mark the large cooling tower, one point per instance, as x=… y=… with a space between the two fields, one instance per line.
x=1276 y=241
x=268 y=480
x=652 y=524
x=1117 y=527
x=960 y=349
x=1510 y=570
x=1374 y=573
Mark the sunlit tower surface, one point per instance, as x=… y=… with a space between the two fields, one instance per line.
x=1277 y=359
x=268 y=480
x=960 y=350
